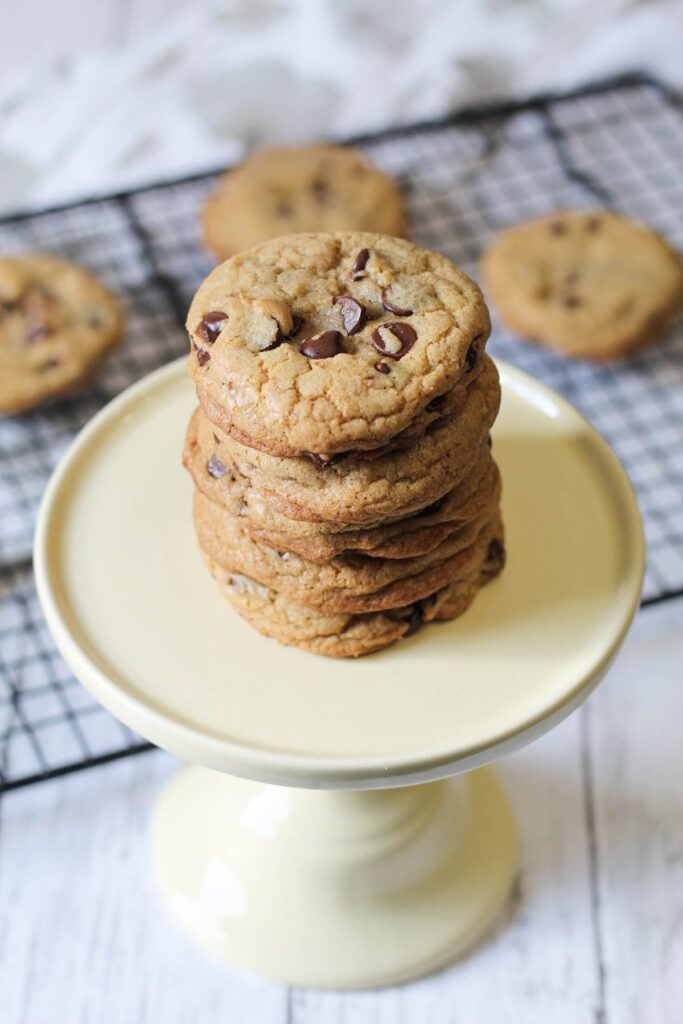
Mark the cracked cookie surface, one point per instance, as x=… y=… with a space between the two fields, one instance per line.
x=587 y=284
x=306 y=188
x=323 y=344
x=56 y=321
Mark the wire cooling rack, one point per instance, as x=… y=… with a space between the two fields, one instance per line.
x=617 y=144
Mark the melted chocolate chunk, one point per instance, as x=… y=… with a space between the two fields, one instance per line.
x=216 y=468
x=472 y=354
x=296 y=325
x=496 y=551
x=359 y=264
x=435 y=404
x=353 y=313
x=405 y=335
x=558 y=227
x=280 y=337
x=417 y=616
x=210 y=327
x=275 y=343
x=393 y=307
x=415 y=621
x=383 y=367
x=323 y=346
x=203 y=357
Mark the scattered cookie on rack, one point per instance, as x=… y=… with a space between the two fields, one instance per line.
x=589 y=284
x=56 y=322
x=307 y=188
x=345 y=487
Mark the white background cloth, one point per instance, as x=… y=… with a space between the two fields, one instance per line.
x=94 y=97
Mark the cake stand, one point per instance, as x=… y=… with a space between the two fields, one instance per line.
x=332 y=830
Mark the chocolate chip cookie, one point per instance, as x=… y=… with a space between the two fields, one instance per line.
x=348 y=582
x=587 y=284
x=356 y=490
x=343 y=635
x=309 y=188
x=325 y=344
x=56 y=322
x=404 y=537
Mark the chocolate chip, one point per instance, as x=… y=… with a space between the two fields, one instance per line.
x=405 y=335
x=50 y=364
x=593 y=224
x=322 y=346
x=359 y=264
x=393 y=307
x=326 y=460
x=280 y=337
x=416 y=619
x=353 y=313
x=496 y=551
x=572 y=300
x=275 y=343
x=383 y=367
x=216 y=438
x=296 y=324
x=435 y=404
x=284 y=209
x=472 y=353
x=558 y=227
x=210 y=326
x=203 y=357
x=320 y=189
x=216 y=468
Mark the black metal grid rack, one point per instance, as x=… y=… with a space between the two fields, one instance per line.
x=617 y=144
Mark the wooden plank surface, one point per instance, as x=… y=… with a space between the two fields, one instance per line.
x=636 y=735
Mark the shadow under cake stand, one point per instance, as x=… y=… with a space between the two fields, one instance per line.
x=331 y=830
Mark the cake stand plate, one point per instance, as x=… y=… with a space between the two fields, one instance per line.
x=301 y=844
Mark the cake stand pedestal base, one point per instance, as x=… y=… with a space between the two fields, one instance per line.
x=335 y=889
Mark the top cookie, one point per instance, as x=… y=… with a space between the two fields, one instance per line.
x=588 y=284
x=56 y=320
x=326 y=343
x=311 y=188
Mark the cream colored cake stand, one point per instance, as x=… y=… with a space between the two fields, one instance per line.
x=331 y=866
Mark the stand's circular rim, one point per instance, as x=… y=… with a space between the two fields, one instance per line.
x=278 y=767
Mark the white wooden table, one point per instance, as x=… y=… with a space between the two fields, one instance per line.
x=595 y=933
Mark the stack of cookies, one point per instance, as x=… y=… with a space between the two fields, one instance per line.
x=345 y=488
